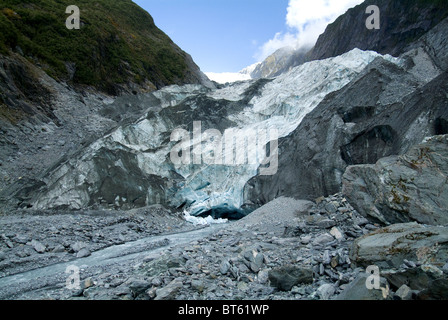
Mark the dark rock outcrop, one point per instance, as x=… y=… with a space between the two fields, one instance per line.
x=402 y=23
x=411 y=187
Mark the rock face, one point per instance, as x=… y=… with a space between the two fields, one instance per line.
x=411 y=187
x=387 y=109
x=281 y=61
x=394 y=36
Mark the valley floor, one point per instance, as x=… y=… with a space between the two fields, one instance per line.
x=288 y=249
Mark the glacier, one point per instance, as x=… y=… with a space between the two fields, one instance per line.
x=131 y=167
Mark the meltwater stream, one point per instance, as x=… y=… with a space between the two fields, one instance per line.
x=55 y=276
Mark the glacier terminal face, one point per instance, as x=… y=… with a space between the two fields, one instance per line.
x=133 y=165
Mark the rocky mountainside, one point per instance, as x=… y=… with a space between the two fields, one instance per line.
x=402 y=23
x=384 y=111
x=281 y=61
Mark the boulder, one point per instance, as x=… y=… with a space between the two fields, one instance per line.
x=286 y=277
x=169 y=291
x=39 y=247
x=411 y=187
x=390 y=246
x=358 y=290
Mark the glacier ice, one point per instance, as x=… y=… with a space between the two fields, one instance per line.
x=138 y=154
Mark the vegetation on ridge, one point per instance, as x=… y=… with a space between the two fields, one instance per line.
x=118 y=42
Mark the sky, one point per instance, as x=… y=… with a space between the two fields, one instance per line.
x=225 y=36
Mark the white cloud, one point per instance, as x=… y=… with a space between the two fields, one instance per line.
x=306 y=21
x=225 y=77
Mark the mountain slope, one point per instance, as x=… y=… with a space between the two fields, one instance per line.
x=402 y=23
x=117 y=47
x=279 y=62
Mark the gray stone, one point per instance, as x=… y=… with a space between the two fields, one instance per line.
x=198 y=285
x=336 y=233
x=138 y=286
x=323 y=239
x=445 y=268
x=84 y=252
x=389 y=247
x=426 y=281
x=2 y=255
x=170 y=291
x=263 y=276
x=224 y=267
x=326 y=291
x=326 y=223
x=326 y=259
x=357 y=290
x=403 y=293
x=58 y=248
x=77 y=246
x=39 y=247
x=286 y=277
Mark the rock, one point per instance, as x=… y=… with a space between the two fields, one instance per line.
x=428 y=280
x=84 y=252
x=263 y=276
x=138 y=286
x=389 y=247
x=397 y=189
x=88 y=283
x=403 y=293
x=198 y=285
x=170 y=291
x=326 y=259
x=334 y=262
x=39 y=247
x=164 y=263
x=224 y=267
x=286 y=277
x=2 y=256
x=326 y=223
x=331 y=208
x=242 y=286
x=326 y=291
x=253 y=259
x=151 y=293
x=58 y=248
x=445 y=268
x=357 y=290
x=336 y=233
x=77 y=246
x=323 y=239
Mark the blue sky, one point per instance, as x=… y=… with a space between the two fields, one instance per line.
x=229 y=35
